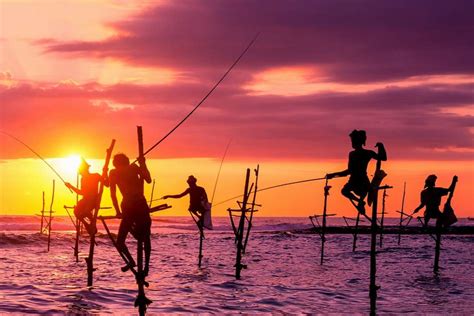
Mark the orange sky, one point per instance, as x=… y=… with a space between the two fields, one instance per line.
x=75 y=75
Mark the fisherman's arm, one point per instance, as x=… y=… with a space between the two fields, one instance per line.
x=176 y=196
x=382 y=154
x=70 y=186
x=422 y=203
x=144 y=172
x=113 y=196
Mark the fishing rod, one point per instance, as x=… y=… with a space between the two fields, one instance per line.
x=38 y=155
x=219 y=172
x=274 y=187
x=205 y=97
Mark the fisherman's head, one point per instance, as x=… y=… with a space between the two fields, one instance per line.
x=358 y=138
x=191 y=181
x=430 y=181
x=120 y=161
x=83 y=167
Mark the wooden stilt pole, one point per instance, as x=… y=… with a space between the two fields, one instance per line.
x=385 y=188
x=354 y=243
x=438 y=246
x=151 y=195
x=201 y=237
x=93 y=224
x=323 y=228
x=253 y=208
x=240 y=230
x=401 y=212
x=42 y=216
x=50 y=216
x=379 y=174
x=78 y=226
x=76 y=244
x=141 y=301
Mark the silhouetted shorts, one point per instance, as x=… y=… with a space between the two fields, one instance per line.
x=135 y=219
x=435 y=213
x=359 y=186
x=84 y=208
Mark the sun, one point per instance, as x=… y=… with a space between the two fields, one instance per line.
x=70 y=164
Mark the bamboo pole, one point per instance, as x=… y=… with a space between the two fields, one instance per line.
x=385 y=188
x=401 y=212
x=78 y=225
x=240 y=230
x=151 y=195
x=373 y=242
x=253 y=208
x=323 y=228
x=141 y=300
x=50 y=216
x=354 y=243
x=42 y=216
x=90 y=258
x=201 y=237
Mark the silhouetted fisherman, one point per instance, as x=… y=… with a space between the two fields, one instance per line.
x=198 y=202
x=134 y=207
x=90 y=192
x=431 y=199
x=358 y=186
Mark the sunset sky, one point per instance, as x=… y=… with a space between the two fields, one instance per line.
x=75 y=74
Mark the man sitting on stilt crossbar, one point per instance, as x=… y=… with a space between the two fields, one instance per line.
x=135 y=212
x=359 y=185
x=89 y=191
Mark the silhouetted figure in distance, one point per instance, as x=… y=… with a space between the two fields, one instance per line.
x=197 y=199
x=134 y=208
x=431 y=199
x=90 y=193
x=358 y=186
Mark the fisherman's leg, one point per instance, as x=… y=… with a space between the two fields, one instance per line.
x=121 y=237
x=426 y=220
x=357 y=201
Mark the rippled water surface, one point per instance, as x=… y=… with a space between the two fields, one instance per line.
x=283 y=275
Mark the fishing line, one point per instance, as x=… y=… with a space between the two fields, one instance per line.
x=38 y=155
x=274 y=187
x=219 y=172
x=205 y=97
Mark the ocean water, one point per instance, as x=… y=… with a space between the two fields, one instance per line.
x=283 y=274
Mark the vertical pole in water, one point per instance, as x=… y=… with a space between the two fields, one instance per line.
x=42 y=216
x=354 y=243
x=151 y=195
x=93 y=224
x=438 y=246
x=240 y=230
x=373 y=242
x=141 y=299
x=253 y=207
x=383 y=215
x=323 y=228
x=401 y=213
x=201 y=237
x=50 y=216
x=78 y=226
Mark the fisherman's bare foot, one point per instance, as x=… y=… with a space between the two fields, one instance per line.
x=128 y=266
x=361 y=207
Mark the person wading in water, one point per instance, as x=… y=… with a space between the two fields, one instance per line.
x=197 y=199
x=89 y=191
x=431 y=199
x=358 y=186
x=134 y=208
